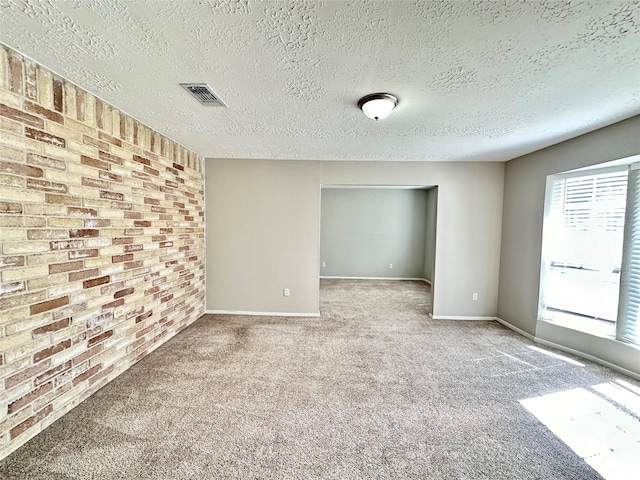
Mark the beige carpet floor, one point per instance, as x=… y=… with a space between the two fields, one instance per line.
x=371 y=389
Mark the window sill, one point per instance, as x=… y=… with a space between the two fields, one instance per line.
x=597 y=328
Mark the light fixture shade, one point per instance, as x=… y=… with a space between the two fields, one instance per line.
x=377 y=105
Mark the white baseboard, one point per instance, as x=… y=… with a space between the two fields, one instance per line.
x=586 y=356
x=562 y=348
x=516 y=329
x=460 y=317
x=373 y=278
x=262 y=314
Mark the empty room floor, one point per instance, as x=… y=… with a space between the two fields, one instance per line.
x=373 y=388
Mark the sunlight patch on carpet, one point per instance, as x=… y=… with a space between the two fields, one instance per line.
x=623 y=393
x=606 y=437
x=557 y=355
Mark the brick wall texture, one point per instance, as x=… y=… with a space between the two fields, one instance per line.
x=101 y=245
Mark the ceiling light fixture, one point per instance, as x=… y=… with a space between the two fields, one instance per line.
x=377 y=105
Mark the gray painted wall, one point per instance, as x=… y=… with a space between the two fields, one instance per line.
x=524 y=190
x=263 y=230
x=363 y=230
x=430 y=234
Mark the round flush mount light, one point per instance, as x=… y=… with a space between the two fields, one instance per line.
x=377 y=105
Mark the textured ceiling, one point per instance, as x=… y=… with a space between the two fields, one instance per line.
x=477 y=80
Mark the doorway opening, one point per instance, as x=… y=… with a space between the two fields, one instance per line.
x=382 y=233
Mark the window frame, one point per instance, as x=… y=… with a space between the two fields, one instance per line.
x=617 y=330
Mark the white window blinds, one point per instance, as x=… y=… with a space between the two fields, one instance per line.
x=590 y=202
x=628 y=326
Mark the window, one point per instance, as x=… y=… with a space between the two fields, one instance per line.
x=592 y=242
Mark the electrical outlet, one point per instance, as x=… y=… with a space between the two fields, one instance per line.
x=286 y=292
x=324 y=264
x=391 y=265
x=475 y=296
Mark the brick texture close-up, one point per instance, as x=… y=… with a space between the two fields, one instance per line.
x=102 y=245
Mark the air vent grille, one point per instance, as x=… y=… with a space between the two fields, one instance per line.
x=203 y=93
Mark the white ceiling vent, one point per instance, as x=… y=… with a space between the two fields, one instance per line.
x=203 y=93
